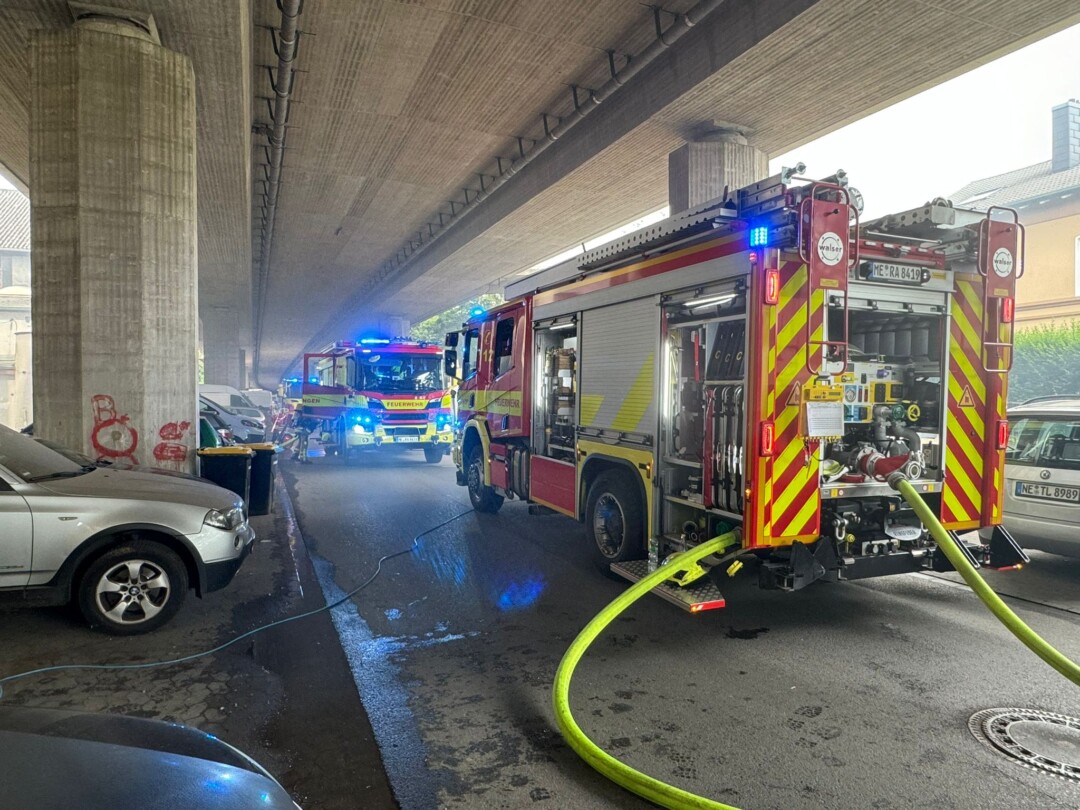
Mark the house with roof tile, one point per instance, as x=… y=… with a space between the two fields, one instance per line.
x=1047 y=198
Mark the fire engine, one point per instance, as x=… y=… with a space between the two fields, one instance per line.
x=378 y=392
x=764 y=362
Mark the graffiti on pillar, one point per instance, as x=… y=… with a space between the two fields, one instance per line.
x=112 y=436
x=172 y=448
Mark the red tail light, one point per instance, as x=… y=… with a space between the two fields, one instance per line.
x=1008 y=310
x=767 y=437
x=772 y=286
x=1002 y=431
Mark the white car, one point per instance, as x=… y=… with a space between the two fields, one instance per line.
x=1042 y=475
x=125 y=545
x=244 y=428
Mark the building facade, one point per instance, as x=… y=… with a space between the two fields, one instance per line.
x=1047 y=198
x=16 y=390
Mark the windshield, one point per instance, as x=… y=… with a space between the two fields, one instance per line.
x=31 y=460
x=400 y=372
x=1045 y=442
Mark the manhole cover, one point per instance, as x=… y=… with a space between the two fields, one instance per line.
x=1043 y=740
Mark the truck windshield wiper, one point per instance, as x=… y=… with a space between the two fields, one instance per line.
x=67 y=474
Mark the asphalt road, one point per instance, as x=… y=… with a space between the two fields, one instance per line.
x=853 y=695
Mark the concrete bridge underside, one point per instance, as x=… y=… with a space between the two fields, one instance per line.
x=401 y=106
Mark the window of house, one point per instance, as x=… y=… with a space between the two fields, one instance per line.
x=504 y=347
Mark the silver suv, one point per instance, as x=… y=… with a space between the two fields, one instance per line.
x=124 y=545
x=1042 y=475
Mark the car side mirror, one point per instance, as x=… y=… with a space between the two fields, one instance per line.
x=452 y=339
x=450 y=364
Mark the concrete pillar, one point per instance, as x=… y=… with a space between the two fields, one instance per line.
x=21 y=409
x=393 y=326
x=222 y=356
x=699 y=171
x=112 y=197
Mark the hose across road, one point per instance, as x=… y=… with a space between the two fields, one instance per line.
x=669 y=796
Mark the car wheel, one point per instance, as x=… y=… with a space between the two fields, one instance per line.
x=133 y=588
x=614 y=520
x=484 y=498
x=433 y=454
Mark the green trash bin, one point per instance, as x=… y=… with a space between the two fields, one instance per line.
x=229 y=467
x=263 y=467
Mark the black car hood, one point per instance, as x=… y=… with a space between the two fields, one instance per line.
x=56 y=758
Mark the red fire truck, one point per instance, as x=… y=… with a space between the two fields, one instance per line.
x=763 y=361
x=378 y=392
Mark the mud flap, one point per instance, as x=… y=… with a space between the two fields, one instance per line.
x=940 y=562
x=1005 y=552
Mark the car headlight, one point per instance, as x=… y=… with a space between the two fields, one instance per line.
x=249 y=423
x=224 y=520
x=358 y=428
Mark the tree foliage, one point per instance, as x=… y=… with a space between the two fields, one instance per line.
x=1047 y=361
x=434 y=329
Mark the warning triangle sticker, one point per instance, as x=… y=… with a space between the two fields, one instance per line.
x=796 y=394
x=966 y=400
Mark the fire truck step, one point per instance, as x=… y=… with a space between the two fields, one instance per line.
x=694 y=598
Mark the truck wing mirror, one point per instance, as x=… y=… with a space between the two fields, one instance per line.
x=452 y=339
x=450 y=364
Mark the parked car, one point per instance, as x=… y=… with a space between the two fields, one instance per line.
x=213 y=432
x=124 y=545
x=244 y=428
x=260 y=398
x=62 y=758
x=1042 y=475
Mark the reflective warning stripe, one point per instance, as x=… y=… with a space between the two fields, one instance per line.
x=794 y=498
x=966 y=434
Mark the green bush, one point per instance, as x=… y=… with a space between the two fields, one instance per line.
x=434 y=329
x=1047 y=361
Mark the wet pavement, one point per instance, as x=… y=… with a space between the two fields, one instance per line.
x=843 y=696
x=852 y=695
x=285 y=696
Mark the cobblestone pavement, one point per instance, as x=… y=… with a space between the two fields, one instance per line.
x=248 y=694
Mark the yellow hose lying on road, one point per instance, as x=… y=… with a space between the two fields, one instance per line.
x=642 y=784
x=1003 y=612
x=669 y=796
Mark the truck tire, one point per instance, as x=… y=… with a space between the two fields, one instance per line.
x=483 y=497
x=132 y=588
x=614 y=520
x=433 y=453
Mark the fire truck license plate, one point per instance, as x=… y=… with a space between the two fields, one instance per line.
x=407 y=439
x=901 y=273
x=1048 y=492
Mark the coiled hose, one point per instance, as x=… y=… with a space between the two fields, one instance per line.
x=669 y=796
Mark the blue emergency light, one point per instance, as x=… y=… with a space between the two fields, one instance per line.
x=759 y=236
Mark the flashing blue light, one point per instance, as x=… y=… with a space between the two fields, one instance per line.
x=314 y=380
x=759 y=236
x=476 y=312
x=374 y=341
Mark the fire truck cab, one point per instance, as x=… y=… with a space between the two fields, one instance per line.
x=763 y=361
x=379 y=392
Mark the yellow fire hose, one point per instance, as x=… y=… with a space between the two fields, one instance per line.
x=669 y=796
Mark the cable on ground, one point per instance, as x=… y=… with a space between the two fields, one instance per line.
x=184 y=658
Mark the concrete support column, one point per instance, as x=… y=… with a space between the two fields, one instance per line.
x=112 y=196
x=699 y=171
x=223 y=356
x=393 y=326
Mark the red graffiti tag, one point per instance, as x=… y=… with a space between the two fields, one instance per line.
x=112 y=437
x=171 y=448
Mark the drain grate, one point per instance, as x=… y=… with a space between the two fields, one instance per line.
x=1042 y=740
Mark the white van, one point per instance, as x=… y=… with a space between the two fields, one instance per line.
x=260 y=398
x=225 y=395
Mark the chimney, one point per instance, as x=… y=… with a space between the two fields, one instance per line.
x=1066 y=129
